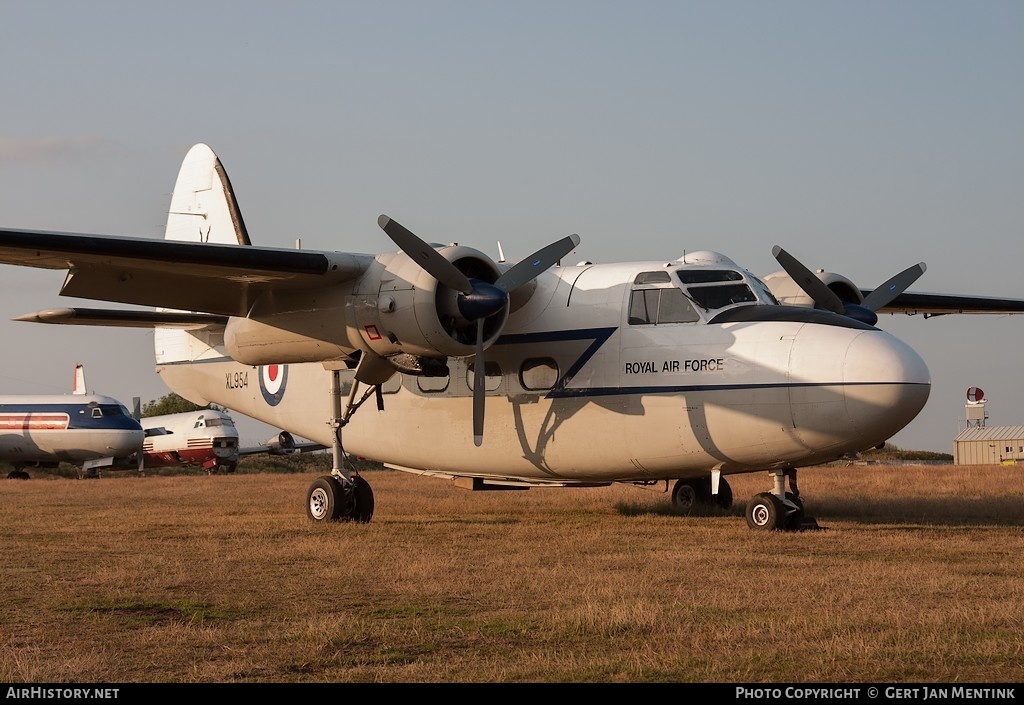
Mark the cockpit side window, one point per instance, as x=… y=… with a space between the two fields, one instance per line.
x=660 y=306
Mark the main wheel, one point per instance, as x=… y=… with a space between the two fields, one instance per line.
x=324 y=499
x=688 y=494
x=362 y=494
x=795 y=519
x=766 y=512
x=724 y=497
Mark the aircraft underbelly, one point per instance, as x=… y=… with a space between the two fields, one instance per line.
x=67 y=445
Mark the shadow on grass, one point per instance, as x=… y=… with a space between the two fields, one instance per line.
x=908 y=511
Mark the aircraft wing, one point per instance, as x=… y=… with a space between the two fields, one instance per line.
x=939 y=304
x=191 y=276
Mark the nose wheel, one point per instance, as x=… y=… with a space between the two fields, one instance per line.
x=778 y=510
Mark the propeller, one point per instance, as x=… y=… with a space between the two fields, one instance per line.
x=893 y=287
x=477 y=299
x=827 y=299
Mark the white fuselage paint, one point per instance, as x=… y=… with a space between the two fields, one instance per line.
x=72 y=428
x=628 y=402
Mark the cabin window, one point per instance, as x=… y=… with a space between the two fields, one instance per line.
x=492 y=376
x=432 y=384
x=97 y=413
x=538 y=373
x=660 y=306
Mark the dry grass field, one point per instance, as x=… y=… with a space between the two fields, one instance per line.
x=917 y=576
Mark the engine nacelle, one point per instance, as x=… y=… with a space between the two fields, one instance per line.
x=282 y=444
x=403 y=310
x=789 y=292
x=396 y=310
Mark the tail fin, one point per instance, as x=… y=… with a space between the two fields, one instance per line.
x=203 y=209
x=203 y=206
x=79 y=384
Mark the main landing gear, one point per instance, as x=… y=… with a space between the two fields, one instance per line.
x=331 y=498
x=695 y=493
x=340 y=496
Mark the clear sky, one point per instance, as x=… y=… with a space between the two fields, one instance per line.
x=860 y=136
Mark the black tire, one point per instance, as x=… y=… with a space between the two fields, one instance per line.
x=362 y=511
x=724 y=497
x=331 y=499
x=688 y=495
x=765 y=512
x=324 y=499
x=795 y=520
x=17 y=475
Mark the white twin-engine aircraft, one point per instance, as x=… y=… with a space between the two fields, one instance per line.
x=646 y=373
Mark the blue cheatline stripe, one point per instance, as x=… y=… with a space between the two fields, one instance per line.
x=609 y=391
x=599 y=336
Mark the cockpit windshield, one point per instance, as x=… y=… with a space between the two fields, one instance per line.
x=716 y=288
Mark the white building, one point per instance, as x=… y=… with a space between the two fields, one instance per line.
x=989 y=445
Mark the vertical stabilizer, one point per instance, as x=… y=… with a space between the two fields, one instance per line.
x=203 y=209
x=203 y=206
x=78 y=387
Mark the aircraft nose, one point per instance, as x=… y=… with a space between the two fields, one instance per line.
x=886 y=384
x=127 y=442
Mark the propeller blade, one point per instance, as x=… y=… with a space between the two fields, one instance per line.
x=425 y=255
x=528 y=268
x=893 y=287
x=814 y=287
x=478 y=385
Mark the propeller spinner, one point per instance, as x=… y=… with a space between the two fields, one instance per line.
x=825 y=298
x=477 y=299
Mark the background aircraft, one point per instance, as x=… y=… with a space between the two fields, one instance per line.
x=674 y=371
x=203 y=437
x=91 y=431
x=206 y=438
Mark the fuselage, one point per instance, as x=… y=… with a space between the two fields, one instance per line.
x=69 y=428
x=207 y=437
x=620 y=372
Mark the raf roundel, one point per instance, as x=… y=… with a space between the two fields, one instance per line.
x=273 y=379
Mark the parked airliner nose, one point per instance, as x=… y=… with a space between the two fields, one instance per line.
x=886 y=384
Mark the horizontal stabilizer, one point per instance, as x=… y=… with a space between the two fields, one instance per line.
x=124 y=318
